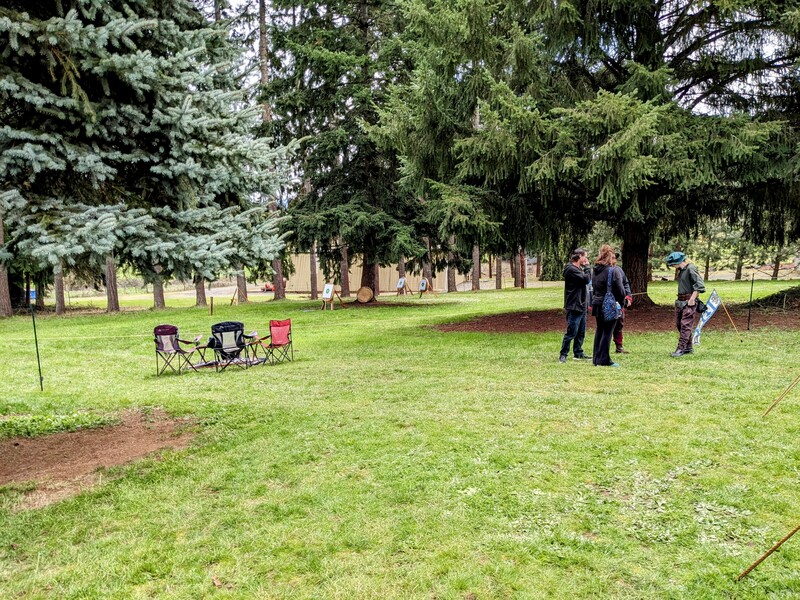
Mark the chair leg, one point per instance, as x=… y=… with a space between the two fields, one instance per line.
x=167 y=360
x=187 y=361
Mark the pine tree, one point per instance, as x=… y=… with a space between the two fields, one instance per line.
x=131 y=112
x=631 y=112
x=467 y=119
x=667 y=93
x=332 y=63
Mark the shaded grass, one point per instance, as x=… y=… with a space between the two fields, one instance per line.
x=36 y=425
x=393 y=460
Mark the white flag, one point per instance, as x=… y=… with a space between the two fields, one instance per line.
x=711 y=307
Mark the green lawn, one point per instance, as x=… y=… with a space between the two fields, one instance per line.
x=391 y=460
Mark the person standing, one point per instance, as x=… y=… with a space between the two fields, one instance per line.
x=690 y=286
x=621 y=321
x=605 y=274
x=576 y=278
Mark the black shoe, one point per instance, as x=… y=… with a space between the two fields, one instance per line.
x=680 y=352
x=562 y=358
x=582 y=357
x=621 y=350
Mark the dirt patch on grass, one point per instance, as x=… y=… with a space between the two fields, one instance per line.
x=61 y=465
x=654 y=318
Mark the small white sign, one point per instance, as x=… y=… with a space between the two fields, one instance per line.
x=327 y=291
x=423 y=285
x=401 y=283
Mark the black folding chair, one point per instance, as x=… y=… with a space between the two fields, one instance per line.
x=230 y=345
x=169 y=351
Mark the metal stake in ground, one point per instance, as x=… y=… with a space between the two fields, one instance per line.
x=750 y=304
x=744 y=573
x=36 y=339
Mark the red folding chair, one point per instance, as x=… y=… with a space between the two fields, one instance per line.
x=277 y=346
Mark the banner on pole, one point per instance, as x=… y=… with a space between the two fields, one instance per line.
x=711 y=307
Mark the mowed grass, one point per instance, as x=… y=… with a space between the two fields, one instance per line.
x=391 y=460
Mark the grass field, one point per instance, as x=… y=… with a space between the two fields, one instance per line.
x=391 y=460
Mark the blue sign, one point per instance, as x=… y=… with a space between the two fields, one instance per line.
x=33 y=294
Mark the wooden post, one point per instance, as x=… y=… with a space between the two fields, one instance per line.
x=744 y=573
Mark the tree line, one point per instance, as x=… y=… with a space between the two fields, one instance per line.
x=193 y=139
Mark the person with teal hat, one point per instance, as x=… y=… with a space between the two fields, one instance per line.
x=690 y=286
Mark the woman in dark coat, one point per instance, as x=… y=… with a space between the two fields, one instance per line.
x=601 y=357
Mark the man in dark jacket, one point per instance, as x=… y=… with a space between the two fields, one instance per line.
x=577 y=276
x=690 y=286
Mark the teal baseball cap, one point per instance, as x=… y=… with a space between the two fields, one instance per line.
x=675 y=258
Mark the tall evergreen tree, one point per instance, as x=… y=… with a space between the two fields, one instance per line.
x=468 y=120
x=670 y=91
x=132 y=109
x=332 y=63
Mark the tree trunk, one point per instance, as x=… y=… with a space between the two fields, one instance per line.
x=514 y=270
x=278 y=283
x=451 y=269
x=199 y=291
x=538 y=267
x=263 y=57
x=427 y=269
x=777 y=266
x=40 y=289
x=5 y=291
x=523 y=268
x=377 y=277
x=401 y=267
x=58 y=276
x=476 y=267
x=368 y=275
x=312 y=257
x=241 y=287
x=635 y=247
x=489 y=265
x=498 y=282
x=739 y=264
x=158 y=293
x=708 y=260
x=112 y=293
x=266 y=116
x=344 y=270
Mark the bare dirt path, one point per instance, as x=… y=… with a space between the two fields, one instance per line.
x=63 y=464
x=655 y=318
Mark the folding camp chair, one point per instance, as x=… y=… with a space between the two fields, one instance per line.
x=169 y=351
x=277 y=346
x=230 y=343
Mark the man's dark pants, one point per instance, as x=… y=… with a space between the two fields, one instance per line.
x=684 y=321
x=576 y=330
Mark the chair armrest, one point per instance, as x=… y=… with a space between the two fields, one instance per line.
x=188 y=342
x=256 y=340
